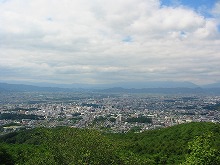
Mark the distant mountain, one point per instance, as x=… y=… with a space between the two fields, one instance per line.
x=127 y=85
x=214 y=85
x=46 y=84
x=156 y=90
x=155 y=84
x=141 y=87
x=4 y=87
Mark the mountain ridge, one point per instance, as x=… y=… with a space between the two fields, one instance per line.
x=141 y=87
x=148 y=84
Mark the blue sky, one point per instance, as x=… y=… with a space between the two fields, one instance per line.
x=101 y=41
x=202 y=6
x=190 y=3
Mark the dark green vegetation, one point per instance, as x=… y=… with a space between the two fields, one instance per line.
x=141 y=119
x=91 y=105
x=194 y=143
x=25 y=109
x=11 y=116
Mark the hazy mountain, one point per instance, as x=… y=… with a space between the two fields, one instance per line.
x=214 y=85
x=130 y=87
x=157 y=90
x=30 y=88
x=155 y=84
x=127 y=85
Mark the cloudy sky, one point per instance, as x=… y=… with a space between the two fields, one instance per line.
x=105 y=41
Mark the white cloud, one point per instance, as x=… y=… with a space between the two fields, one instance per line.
x=102 y=41
x=216 y=9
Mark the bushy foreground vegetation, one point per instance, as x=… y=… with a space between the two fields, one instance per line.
x=194 y=143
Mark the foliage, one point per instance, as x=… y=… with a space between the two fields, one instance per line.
x=135 y=129
x=11 y=116
x=5 y=157
x=112 y=119
x=99 y=119
x=76 y=114
x=65 y=145
x=202 y=151
x=168 y=145
x=12 y=124
x=23 y=109
x=91 y=105
x=75 y=119
x=141 y=119
x=61 y=145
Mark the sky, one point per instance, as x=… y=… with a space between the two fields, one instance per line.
x=103 y=41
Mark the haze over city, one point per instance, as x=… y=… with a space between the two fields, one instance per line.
x=102 y=41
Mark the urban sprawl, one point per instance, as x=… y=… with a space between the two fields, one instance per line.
x=115 y=112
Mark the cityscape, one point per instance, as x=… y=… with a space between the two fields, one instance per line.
x=110 y=112
x=99 y=82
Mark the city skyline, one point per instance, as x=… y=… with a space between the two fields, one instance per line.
x=100 y=41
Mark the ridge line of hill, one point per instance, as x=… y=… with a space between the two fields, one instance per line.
x=5 y=87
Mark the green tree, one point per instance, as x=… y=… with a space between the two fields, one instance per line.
x=5 y=157
x=202 y=152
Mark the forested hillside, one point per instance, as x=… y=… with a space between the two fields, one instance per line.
x=194 y=143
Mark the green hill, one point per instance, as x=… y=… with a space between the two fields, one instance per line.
x=179 y=144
